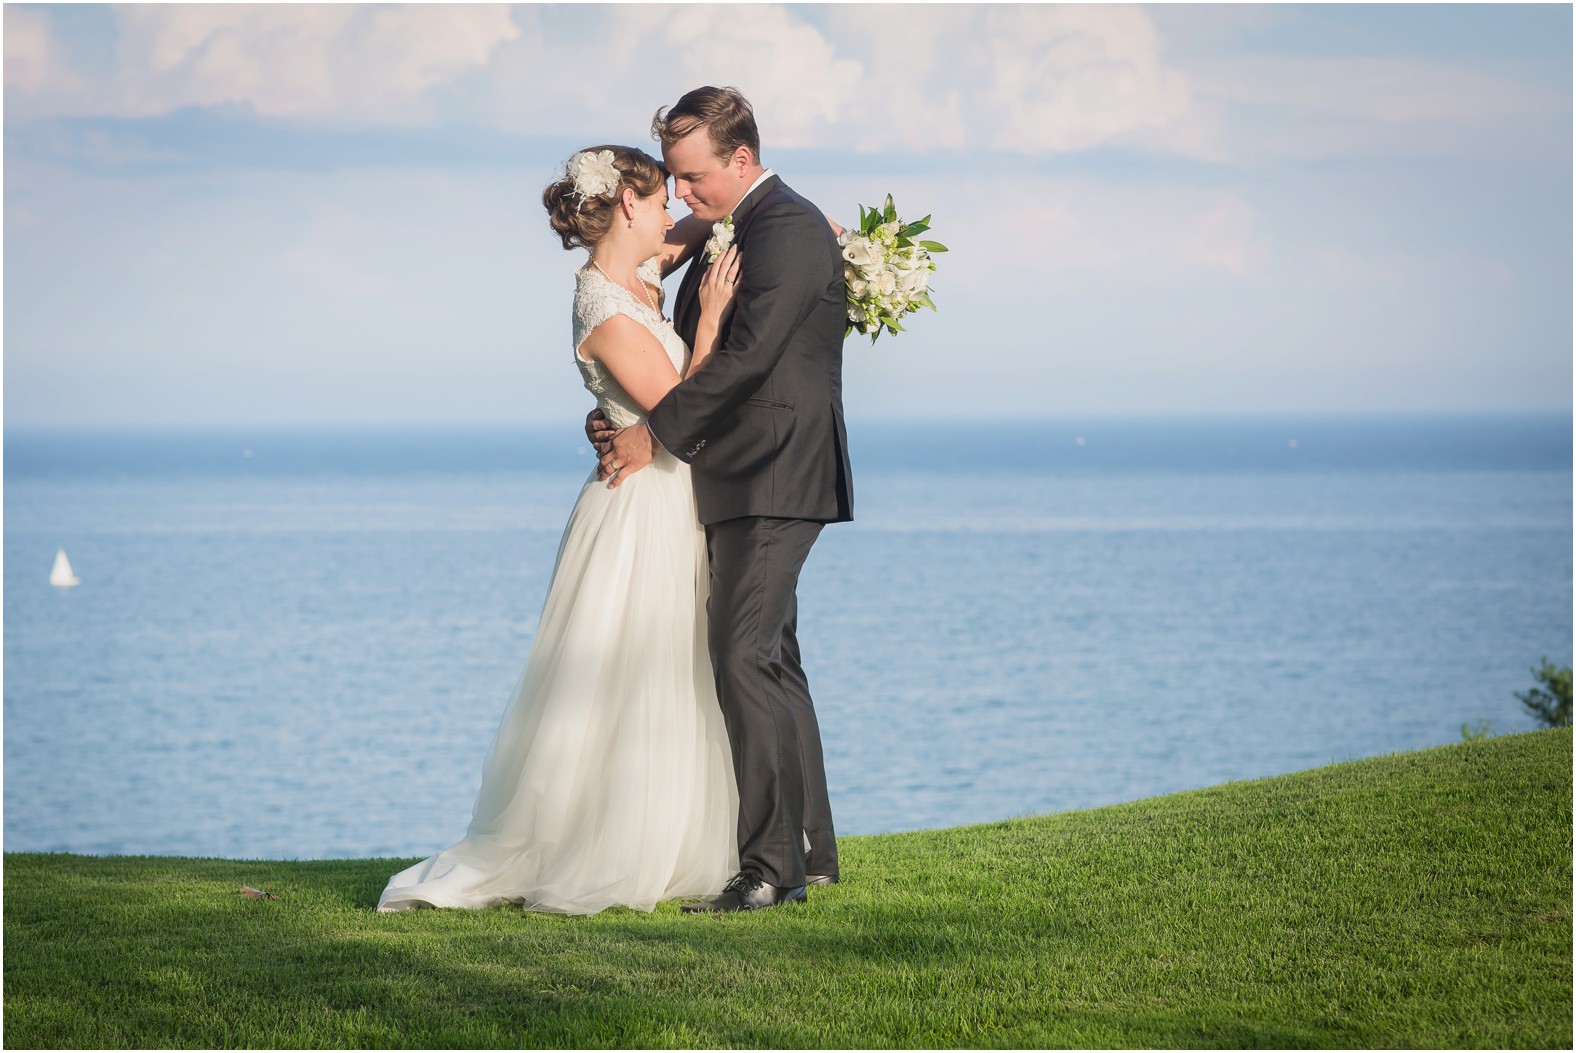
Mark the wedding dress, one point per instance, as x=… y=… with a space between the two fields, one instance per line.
x=610 y=780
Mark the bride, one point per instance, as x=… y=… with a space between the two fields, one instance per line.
x=610 y=780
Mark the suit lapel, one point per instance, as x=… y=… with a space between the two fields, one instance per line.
x=687 y=313
x=741 y=211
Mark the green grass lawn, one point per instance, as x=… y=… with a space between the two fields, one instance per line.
x=1419 y=899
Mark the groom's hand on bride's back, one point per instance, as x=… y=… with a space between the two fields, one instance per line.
x=600 y=434
x=598 y=430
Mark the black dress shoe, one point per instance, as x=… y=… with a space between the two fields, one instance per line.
x=746 y=892
x=820 y=879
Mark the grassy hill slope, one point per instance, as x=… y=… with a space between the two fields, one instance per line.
x=1418 y=899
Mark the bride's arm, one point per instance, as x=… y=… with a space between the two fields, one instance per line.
x=690 y=233
x=637 y=360
x=630 y=352
x=641 y=366
x=683 y=241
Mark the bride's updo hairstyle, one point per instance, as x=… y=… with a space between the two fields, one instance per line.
x=581 y=205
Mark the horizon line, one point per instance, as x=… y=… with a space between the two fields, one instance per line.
x=879 y=419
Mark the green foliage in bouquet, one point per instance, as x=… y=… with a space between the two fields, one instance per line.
x=887 y=269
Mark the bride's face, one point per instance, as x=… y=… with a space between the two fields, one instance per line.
x=651 y=219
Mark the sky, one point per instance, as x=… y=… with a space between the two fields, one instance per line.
x=331 y=214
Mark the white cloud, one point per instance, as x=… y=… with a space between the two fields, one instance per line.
x=98 y=146
x=1383 y=90
x=1337 y=266
x=1071 y=78
x=424 y=292
x=1023 y=79
x=340 y=61
x=797 y=70
x=1303 y=107
x=1031 y=79
x=1076 y=229
x=33 y=64
x=332 y=256
x=608 y=78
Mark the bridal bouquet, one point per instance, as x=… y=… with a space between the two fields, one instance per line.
x=886 y=270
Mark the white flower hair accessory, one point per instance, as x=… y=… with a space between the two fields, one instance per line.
x=593 y=174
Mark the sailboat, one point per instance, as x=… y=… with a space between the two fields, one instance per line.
x=61 y=575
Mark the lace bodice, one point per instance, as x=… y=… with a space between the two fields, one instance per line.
x=596 y=300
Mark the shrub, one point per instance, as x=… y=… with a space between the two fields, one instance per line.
x=1550 y=703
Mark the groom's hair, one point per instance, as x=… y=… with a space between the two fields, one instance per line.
x=725 y=113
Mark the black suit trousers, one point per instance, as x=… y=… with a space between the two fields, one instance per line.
x=765 y=696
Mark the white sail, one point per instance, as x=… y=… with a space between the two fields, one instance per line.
x=61 y=575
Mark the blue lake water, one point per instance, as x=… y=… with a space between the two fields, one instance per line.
x=297 y=644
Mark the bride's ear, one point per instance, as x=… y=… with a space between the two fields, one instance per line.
x=626 y=200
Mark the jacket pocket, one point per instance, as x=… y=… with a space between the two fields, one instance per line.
x=756 y=400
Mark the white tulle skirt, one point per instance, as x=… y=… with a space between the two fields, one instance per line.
x=610 y=780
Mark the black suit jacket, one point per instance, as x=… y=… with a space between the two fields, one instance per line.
x=761 y=420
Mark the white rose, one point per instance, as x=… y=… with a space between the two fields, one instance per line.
x=887 y=283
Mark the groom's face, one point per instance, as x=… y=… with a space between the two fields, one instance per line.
x=704 y=182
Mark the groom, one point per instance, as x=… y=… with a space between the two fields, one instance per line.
x=761 y=424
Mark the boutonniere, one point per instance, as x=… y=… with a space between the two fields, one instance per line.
x=721 y=238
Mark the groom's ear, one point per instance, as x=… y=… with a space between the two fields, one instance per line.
x=742 y=158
